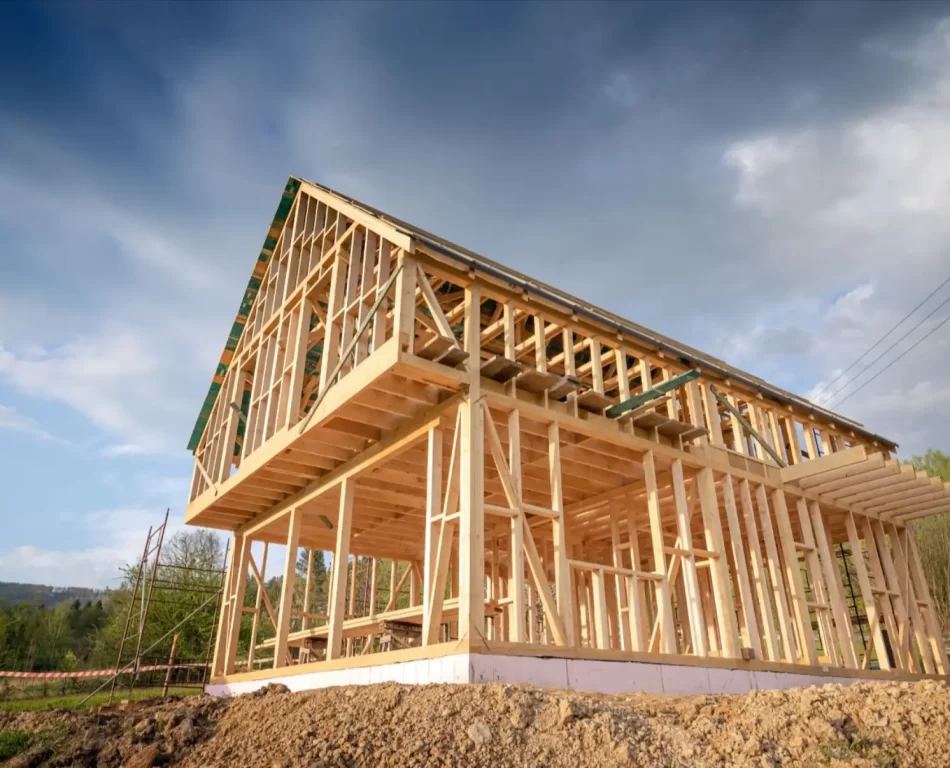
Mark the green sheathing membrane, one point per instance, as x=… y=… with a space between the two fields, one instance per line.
x=250 y=293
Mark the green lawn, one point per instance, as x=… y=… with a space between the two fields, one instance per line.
x=72 y=701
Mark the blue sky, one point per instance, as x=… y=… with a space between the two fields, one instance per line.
x=768 y=182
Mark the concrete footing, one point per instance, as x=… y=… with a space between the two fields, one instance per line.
x=574 y=674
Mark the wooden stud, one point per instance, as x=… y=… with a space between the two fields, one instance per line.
x=751 y=636
x=793 y=578
x=867 y=593
x=285 y=605
x=664 y=604
x=341 y=557
x=829 y=564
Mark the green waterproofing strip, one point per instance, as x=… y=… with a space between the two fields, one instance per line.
x=652 y=394
x=247 y=301
x=741 y=419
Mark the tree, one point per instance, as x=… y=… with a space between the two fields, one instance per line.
x=933 y=539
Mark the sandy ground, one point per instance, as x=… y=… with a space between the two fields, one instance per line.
x=502 y=725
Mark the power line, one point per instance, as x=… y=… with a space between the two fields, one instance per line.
x=922 y=338
x=871 y=348
x=875 y=360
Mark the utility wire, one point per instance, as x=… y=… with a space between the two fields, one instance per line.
x=871 y=348
x=922 y=338
x=875 y=360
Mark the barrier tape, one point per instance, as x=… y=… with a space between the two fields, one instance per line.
x=100 y=672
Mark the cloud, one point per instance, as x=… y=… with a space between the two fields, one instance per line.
x=116 y=379
x=18 y=422
x=856 y=207
x=120 y=535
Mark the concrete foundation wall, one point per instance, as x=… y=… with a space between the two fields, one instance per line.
x=573 y=674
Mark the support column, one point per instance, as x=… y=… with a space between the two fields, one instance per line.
x=718 y=568
x=287 y=586
x=516 y=592
x=562 y=571
x=664 y=605
x=242 y=553
x=471 y=484
x=341 y=556
x=433 y=512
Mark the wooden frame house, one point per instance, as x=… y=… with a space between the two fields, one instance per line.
x=556 y=494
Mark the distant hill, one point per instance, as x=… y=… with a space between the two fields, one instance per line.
x=41 y=594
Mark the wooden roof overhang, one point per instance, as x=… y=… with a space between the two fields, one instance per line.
x=869 y=483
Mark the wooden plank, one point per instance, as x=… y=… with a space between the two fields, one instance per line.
x=759 y=577
x=471 y=484
x=433 y=511
x=285 y=605
x=887 y=610
x=338 y=568
x=907 y=590
x=516 y=582
x=718 y=569
x=694 y=607
x=660 y=389
x=934 y=634
x=832 y=574
x=793 y=577
x=602 y=632
x=663 y=601
x=562 y=573
x=242 y=552
x=815 y=470
x=904 y=628
x=753 y=639
x=820 y=591
x=867 y=593
x=789 y=645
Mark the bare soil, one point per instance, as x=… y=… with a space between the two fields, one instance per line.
x=501 y=725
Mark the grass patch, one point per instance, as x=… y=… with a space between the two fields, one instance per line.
x=12 y=743
x=73 y=701
x=861 y=747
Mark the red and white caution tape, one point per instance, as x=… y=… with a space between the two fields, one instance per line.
x=98 y=672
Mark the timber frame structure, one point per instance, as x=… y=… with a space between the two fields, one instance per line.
x=545 y=479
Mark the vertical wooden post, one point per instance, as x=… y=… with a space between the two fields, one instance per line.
x=934 y=635
x=694 y=606
x=793 y=577
x=433 y=512
x=562 y=571
x=341 y=557
x=224 y=616
x=718 y=568
x=252 y=650
x=789 y=645
x=471 y=483
x=243 y=550
x=867 y=594
x=516 y=591
x=759 y=577
x=171 y=661
x=741 y=575
x=601 y=635
x=622 y=588
x=905 y=585
x=663 y=601
x=287 y=587
x=713 y=421
x=829 y=565
x=404 y=312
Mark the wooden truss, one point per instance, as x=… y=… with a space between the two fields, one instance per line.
x=534 y=480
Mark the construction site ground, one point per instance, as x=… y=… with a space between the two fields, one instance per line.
x=893 y=724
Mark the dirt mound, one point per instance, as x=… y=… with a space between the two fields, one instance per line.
x=390 y=725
